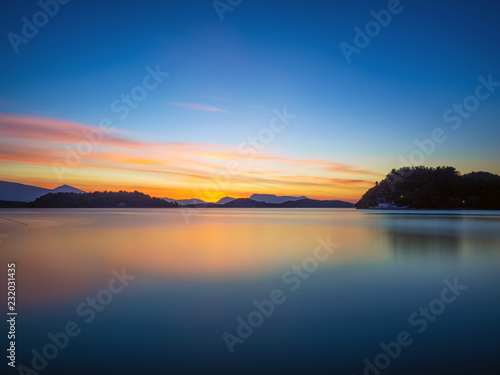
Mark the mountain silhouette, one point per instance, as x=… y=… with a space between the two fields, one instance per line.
x=13 y=191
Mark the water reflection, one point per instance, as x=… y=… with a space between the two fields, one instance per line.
x=440 y=236
x=194 y=280
x=82 y=246
x=414 y=237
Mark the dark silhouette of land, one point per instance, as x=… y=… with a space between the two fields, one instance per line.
x=435 y=188
x=140 y=200
x=301 y=203
x=16 y=192
x=12 y=204
x=104 y=199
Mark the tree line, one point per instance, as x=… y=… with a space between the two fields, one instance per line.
x=435 y=188
x=106 y=199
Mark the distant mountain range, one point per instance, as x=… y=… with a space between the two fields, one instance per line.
x=262 y=198
x=12 y=191
x=297 y=203
x=270 y=198
x=225 y=200
x=184 y=202
x=124 y=199
x=13 y=194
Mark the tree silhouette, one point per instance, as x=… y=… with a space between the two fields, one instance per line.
x=106 y=199
x=435 y=188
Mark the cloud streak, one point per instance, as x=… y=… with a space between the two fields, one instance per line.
x=198 y=107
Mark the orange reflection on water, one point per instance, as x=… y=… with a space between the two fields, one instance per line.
x=62 y=252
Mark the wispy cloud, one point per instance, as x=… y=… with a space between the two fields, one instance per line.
x=336 y=167
x=198 y=107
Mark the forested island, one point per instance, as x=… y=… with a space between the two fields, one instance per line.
x=106 y=199
x=435 y=188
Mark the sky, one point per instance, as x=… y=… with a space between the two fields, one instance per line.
x=209 y=99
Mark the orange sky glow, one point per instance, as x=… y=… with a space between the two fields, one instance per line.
x=48 y=153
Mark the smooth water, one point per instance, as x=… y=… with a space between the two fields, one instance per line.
x=334 y=286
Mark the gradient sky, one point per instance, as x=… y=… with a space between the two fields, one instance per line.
x=227 y=78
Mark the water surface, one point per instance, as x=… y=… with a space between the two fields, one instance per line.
x=196 y=281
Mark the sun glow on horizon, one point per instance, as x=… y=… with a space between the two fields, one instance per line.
x=48 y=153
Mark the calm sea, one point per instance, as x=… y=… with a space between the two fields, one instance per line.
x=253 y=291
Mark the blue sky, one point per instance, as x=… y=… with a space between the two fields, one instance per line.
x=264 y=55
